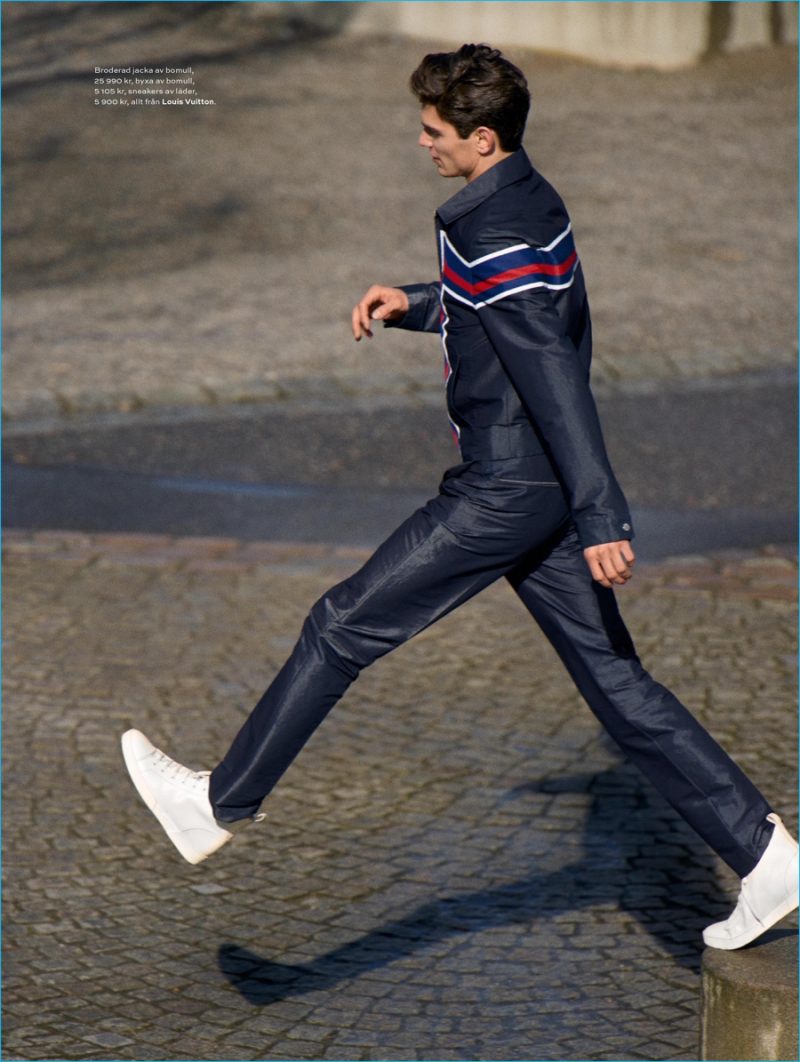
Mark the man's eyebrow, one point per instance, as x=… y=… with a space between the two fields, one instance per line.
x=430 y=128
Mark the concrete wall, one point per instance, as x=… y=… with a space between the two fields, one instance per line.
x=750 y=1001
x=664 y=34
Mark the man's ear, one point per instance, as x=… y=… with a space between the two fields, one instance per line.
x=486 y=140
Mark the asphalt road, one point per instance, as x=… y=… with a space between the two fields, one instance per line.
x=704 y=468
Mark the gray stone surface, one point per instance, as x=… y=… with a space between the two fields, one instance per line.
x=166 y=259
x=750 y=1000
x=458 y=865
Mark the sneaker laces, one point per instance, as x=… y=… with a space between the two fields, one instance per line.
x=176 y=772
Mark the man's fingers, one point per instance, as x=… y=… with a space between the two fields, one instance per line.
x=596 y=568
x=357 y=322
x=616 y=564
x=610 y=563
x=364 y=312
x=361 y=316
x=366 y=305
x=610 y=571
x=592 y=557
x=616 y=567
x=379 y=304
x=389 y=304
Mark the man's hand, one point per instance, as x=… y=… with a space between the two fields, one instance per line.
x=379 y=304
x=611 y=563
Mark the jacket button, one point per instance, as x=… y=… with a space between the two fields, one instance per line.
x=626 y=527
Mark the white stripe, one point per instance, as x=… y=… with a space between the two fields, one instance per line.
x=558 y=239
x=524 y=287
x=461 y=298
x=511 y=291
x=498 y=254
x=486 y=257
x=442 y=240
x=506 y=250
x=444 y=324
x=452 y=248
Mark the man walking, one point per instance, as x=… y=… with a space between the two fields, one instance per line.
x=534 y=500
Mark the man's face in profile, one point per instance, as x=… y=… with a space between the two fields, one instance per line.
x=452 y=155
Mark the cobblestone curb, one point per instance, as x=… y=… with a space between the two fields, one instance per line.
x=69 y=402
x=768 y=574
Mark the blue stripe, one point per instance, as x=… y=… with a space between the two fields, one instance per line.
x=526 y=256
x=452 y=261
x=464 y=277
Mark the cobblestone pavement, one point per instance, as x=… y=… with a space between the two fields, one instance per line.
x=165 y=259
x=458 y=866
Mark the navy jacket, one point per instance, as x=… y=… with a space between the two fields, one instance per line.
x=512 y=311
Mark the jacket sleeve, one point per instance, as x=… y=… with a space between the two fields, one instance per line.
x=424 y=308
x=546 y=371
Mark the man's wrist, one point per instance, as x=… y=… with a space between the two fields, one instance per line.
x=598 y=529
x=415 y=318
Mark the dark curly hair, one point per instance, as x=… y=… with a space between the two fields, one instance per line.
x=475 y=86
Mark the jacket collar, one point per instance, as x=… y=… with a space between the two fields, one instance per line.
x=511 y=169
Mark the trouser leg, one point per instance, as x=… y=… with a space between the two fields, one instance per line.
x=441 y=556
x=653 y=728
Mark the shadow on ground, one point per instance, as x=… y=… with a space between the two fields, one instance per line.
x=638 y=853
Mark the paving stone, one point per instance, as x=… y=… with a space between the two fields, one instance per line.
x=438 y=876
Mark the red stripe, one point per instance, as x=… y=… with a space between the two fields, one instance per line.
x=523 y=271
x=448 y=272
x=555 y=270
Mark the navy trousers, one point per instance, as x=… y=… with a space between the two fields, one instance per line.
x=493 y=519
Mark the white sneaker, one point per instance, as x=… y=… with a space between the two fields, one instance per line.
x=769 y=893
x=177 y=797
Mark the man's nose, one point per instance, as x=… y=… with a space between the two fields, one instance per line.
x=424 y=140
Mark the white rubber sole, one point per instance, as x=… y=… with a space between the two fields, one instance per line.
x=178 y=838
x=732 y=943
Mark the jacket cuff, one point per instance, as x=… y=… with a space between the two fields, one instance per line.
x=417 y=318
x=596 y=530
